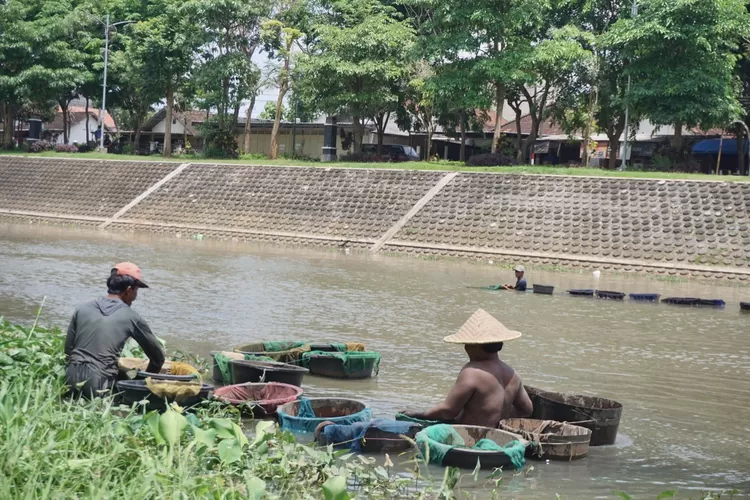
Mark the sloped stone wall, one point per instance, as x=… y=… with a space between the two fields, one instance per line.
x=675 y=227
x=676 y=222
x=338 y=203
x=89 y=188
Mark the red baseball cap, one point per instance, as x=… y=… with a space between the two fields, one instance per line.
x=130 y=269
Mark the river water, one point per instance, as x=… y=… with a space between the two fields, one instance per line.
x=681 y=373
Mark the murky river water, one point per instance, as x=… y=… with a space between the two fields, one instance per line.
x=682 y=373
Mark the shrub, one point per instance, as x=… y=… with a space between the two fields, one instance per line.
x=128 y=149
x=490 y=160
x=220 y=141
x=66 y=148
x=364 y=158
x=299 y=157
x=253 y=156
x=39 y=146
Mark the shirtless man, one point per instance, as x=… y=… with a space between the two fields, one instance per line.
x=487 y=389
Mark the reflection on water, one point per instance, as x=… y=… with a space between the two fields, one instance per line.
x=681 y=373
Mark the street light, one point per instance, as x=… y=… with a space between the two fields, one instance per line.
x=633 y=13
x=107 y=28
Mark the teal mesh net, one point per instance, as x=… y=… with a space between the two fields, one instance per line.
x=283 y=345
x=307 y=420
x=351 y=361
x=437 y=440
x=424 y=423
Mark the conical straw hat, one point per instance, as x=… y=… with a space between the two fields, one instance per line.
x=482 y=328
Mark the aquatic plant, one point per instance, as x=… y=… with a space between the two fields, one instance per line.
x=51 y=446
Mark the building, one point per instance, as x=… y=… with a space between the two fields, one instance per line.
x=53 y=131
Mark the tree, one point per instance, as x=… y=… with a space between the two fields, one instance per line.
x=545 y=72
x=460 y=96
x=418 y=109
x=493 y=35
x=227 y=73
x=37 y=62
x=360 y=51
x=165 y=46
x=593 y=95
x=280 y=37
x=681 y=56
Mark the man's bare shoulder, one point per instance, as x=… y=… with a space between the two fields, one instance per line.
x=476 y=372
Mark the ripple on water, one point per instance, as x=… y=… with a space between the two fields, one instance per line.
x=681 y=373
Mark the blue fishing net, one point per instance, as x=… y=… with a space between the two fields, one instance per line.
x=305 y=409
x=352 y=436
x=437 y=440
x=307 y=421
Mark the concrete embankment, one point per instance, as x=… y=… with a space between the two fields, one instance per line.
x=678 y=228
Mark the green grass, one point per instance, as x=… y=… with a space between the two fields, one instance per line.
x=445 y=166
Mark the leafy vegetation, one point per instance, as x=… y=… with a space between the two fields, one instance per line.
x=420 y=64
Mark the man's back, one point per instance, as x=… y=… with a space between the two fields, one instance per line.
x=496 y=386
x=98 y=331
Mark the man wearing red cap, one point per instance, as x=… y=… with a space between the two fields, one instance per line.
x=98 y=332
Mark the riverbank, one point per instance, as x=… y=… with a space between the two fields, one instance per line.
x=94 y=449
x=673 y=228
x=439 y=166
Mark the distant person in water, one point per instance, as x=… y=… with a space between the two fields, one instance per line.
x=487 y=389
x=520 y=285
x=98 y=332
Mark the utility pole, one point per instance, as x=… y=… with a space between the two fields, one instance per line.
x=104 y=85
x=107 y=28
x=624 y=166
x=294 y=126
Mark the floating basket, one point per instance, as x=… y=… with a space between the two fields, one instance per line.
x=553 y=440
x=544 y=289
x=258 y=399
x=306 y=414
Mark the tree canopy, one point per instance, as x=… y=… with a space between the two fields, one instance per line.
x=421 y=64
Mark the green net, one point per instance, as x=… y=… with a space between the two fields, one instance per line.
x=424 y=423
x=437 y=440
x=351 y=361
x=222 y=361
x=283 y=345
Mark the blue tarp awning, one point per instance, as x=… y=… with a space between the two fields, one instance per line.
x=711 y=147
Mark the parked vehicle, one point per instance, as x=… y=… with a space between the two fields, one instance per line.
x=392 y=152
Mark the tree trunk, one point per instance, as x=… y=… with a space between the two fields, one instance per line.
x=359 y=131
x=428 y=153
x=66 y=120
x=8 y=126
x=88 y=130
x=519 y=139
x=462 y=156
x=248 y=125
x=137 y=140
x=277 y=123
x=499 y=104
x=677 y=138
x=167 y=150
x=614 y=147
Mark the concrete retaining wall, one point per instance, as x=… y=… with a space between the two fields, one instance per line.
x=674 y=227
